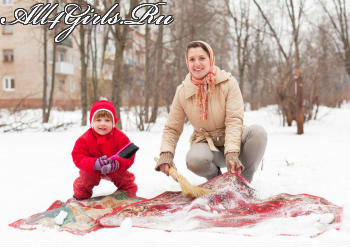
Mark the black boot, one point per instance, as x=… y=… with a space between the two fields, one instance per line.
x=219 y=171
x=76 y=198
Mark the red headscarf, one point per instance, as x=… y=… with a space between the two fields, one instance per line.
x=206 y=85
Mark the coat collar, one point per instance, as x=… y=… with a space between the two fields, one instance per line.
x=191 y=89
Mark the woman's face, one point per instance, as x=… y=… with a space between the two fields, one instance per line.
x=198 y=62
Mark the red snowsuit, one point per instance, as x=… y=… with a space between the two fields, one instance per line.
x=91 y=146
x=87 y=149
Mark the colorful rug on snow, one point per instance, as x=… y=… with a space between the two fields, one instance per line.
x=79 y=217
x=233 y=205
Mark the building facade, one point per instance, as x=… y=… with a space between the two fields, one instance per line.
x=22 y=64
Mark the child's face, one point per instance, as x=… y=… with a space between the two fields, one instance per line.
x=103 y=125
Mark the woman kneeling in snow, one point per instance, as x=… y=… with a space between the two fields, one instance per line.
x=211 y=100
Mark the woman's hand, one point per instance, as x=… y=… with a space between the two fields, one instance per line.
x=233 y=163
x=165 y=168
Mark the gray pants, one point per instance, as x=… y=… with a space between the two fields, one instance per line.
x=206 y=163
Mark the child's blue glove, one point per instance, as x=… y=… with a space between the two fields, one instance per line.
x=100 y=162
x=112 y=166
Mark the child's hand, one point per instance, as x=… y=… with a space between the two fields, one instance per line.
x=112 y=166
x=100 y=162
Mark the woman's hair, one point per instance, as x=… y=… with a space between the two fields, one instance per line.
x=103 y=113
x=195 y=44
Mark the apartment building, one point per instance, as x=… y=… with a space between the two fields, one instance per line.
x=22 y=64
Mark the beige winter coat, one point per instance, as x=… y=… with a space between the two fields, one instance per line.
x=225 y=115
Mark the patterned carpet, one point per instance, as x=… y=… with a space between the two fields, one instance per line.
x=234 y=204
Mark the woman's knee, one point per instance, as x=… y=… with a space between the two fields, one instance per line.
x=199 y=157
x=258 y=134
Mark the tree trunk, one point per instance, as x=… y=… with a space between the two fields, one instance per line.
x=117 y=83
x=298 y=75
x=120 y=34
x=299 y=104
x=159 y=70
x=44 y=100
x=48 y=105
x=53 y=75
x=83 y=83
x=95 y=75
x=347 y=61
x=147 y=86
x=92 y=54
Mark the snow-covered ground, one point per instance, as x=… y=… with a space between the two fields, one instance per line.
x=37 y=169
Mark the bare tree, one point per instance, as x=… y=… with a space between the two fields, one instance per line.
x=295 y=20
x=45 y=80
x=119 y=34
x=148 y=82
x=258 y=67
x=179 y=37
x=340 y=23
x=48 y=102
x=83 y=73
x=158 y=74
x=93 y=50
x=241 y=36
x=52 y=88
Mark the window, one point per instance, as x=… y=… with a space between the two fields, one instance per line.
x=8 y=29
x=71 y=85
x=7 y=2
x=61 y=85
x=61 y=57
x=8 y=55
x=8 y=84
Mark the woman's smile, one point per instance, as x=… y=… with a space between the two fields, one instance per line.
x=198 y=62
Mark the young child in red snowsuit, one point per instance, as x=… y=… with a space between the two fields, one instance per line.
x=92 y=149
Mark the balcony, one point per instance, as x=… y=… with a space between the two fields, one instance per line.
x=107 y=73
x=68 y=42
x=64 y=68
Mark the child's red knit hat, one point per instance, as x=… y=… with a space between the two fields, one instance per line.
x=103 y=105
